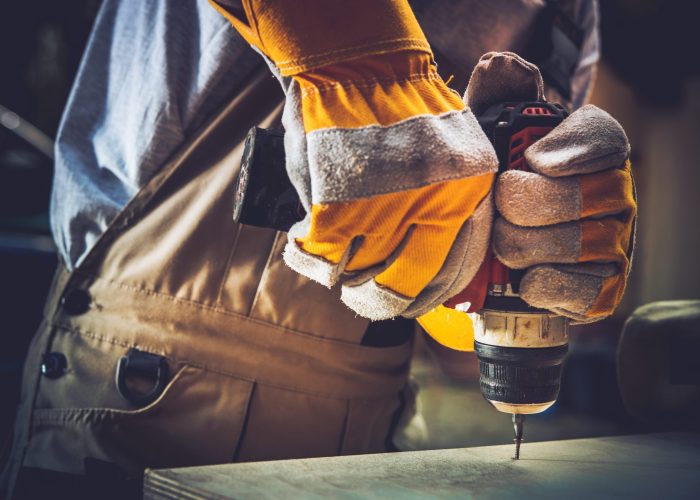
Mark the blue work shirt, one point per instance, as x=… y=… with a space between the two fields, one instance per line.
x=152 y=73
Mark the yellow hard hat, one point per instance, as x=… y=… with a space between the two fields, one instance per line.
x=451 y=328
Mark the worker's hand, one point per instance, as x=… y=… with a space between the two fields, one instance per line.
x=570 y=222
x=394 y=171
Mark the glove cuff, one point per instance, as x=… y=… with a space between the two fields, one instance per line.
x=303 y=35
x=374 y=90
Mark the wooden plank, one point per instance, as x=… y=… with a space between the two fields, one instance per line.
x=645 y=466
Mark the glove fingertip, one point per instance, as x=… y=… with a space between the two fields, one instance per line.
x=311 y=266
x=529 y=199
x=501 y=77
x=373 y=301
x=589 y=140
x=572 y=294
x=548 y=288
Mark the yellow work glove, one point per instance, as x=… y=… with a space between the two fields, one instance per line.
x=392 y=168
x=570 y=222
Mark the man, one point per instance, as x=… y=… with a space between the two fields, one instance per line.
x=173 y=336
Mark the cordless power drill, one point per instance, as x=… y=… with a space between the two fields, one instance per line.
x=520 y=349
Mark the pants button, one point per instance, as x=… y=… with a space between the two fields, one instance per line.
x=76 y=301
x=53 y=365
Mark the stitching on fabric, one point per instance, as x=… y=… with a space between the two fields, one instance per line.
x=263 y=276
x=420 y=310
x=466 y=254
x=601 y=282
x=198 y=305
x=302 y=63
x=319 y=269
x=250 y=12
x=195 y=364
x=369 y=83
x=402 y=123
x=407 y=186
x=374 y=44
x=227 y=271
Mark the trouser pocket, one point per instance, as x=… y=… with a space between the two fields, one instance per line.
x=82 y=415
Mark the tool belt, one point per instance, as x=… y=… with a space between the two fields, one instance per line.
x=183 y=339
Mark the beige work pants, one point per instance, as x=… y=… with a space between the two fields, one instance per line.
x=263 y=363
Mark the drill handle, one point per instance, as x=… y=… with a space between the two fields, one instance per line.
x=511 y=128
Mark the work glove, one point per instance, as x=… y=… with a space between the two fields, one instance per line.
x=393 y=170
x=569 y=222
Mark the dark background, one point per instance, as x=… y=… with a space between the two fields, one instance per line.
x=648 y=80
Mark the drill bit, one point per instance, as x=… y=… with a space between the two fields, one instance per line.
x=518 y=421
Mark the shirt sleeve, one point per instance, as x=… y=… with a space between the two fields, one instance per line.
x=584 y=76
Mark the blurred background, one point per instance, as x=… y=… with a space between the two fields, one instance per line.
x=649 y=80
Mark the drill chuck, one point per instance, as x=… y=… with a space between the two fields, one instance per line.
x=521 y=352
x=520 y=380
x=521 y=349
